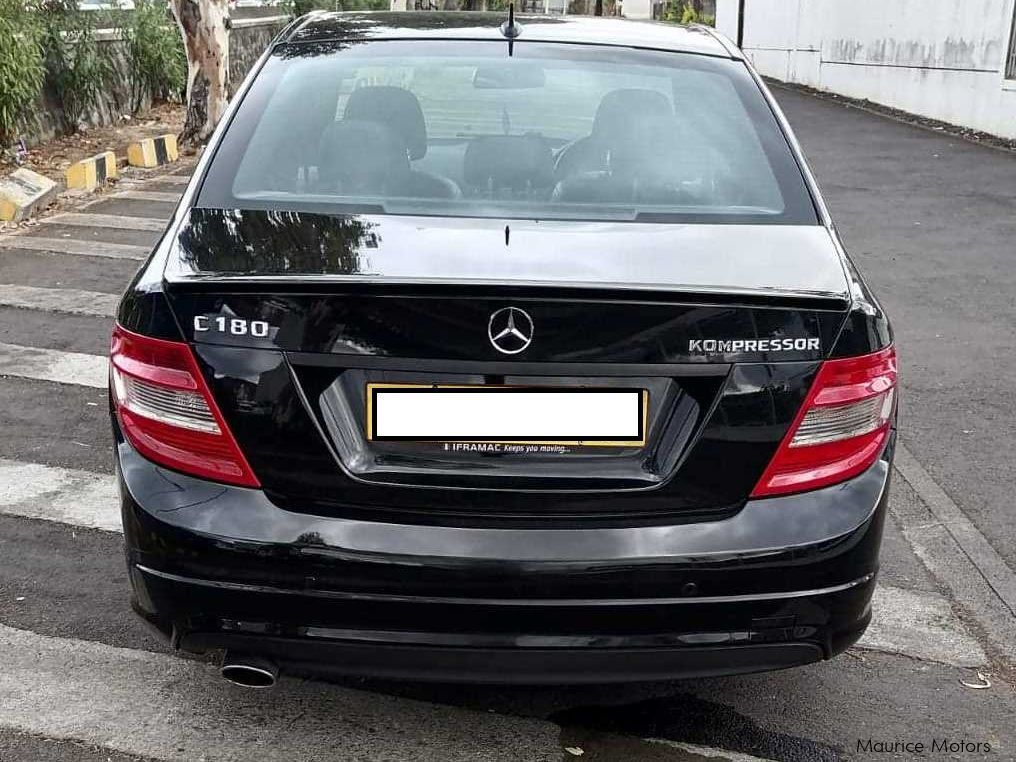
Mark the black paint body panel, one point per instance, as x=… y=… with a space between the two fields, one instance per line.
x=326 y=323
x=294 y=247
x=452 y=326
x=272 y=406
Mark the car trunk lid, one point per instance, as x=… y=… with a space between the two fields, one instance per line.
x=709 y=260
x=292 y=350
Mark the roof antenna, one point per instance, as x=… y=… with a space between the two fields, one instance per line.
x=510 y=29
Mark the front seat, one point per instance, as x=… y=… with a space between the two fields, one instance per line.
x=610 y=125
x=399 y=110
x=647 y=167
x=363 y=158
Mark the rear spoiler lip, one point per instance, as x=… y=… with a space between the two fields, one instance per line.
x=385 y=285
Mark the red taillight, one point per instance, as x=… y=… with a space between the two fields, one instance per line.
x=167 y=412
x=840 y=429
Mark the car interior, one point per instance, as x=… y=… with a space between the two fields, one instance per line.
x=380 y=147
x=364 y=141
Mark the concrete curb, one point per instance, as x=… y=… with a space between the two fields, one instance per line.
x=932 y=542
x=928 y=124
x=23 y=193
x=974 y=545
x=88 y=174
x=153 y=152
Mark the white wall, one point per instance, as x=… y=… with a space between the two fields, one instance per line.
x=726 y=18
x=938 y=58
x=637 y=9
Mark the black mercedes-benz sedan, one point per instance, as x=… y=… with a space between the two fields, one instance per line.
x=502 y=350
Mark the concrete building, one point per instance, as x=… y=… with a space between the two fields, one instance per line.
x=945 y=59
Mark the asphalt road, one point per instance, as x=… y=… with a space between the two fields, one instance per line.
x=929 y=220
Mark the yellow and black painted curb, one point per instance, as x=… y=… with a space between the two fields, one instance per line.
x=153 y=152
x=88 y=174
x=23 y=193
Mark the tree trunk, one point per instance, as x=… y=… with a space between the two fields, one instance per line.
x=204 y=25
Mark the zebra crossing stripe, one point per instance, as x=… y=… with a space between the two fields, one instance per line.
x=66 y=300
x=63 y=495
x=53 y=365
x=158 y=706
x=142 y=195
x=171 y=179
x=111 y=221
x=79 y=248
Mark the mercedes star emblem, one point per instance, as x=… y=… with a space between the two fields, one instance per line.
x=510 y=330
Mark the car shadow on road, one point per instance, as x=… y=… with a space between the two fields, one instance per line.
x=662 y=710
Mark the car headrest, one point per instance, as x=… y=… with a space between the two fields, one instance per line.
x=359 y=156
x=649 y=146
x=509 y=161
x=395 y=107
x=618 y=107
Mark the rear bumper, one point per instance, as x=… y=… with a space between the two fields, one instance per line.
x=518 y=666
x=689 y=645
x=785 y=581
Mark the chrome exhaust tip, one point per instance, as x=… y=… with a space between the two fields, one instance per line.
x=249 y=671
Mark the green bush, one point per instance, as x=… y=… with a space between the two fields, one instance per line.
x=76 y=65
x=155 y=53
x=683 y=12
x=21 y=66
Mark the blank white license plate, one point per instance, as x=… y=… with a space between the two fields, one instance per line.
x=516 y=415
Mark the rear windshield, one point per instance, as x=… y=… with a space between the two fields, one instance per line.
x=462 y=129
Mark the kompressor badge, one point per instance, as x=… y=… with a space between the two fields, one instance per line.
x=735 y=346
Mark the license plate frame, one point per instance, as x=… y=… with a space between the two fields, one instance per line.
x=374 y=389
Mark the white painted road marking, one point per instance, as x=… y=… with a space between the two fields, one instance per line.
x=706 y=752
x=64 y=495
x=141 y=195
x=80 y=248
x=53 y=365
x=172 y=179
x=160 y=706
x=921 y=625
x=58 y=300
x=113 y=221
